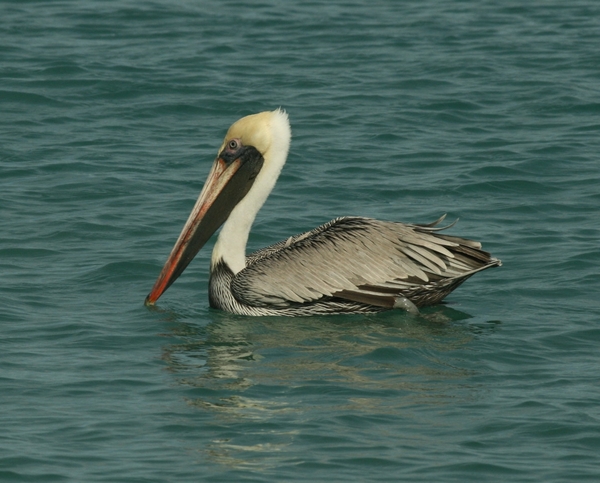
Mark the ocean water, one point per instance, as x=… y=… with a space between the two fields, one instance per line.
x=111 y=113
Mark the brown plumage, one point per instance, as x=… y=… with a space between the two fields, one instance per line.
x=370 y=264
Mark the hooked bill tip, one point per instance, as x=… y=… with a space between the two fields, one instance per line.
x=148 y=302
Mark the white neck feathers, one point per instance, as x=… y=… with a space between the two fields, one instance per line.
x=270 y=133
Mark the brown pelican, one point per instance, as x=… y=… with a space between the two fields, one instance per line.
x=351 y=264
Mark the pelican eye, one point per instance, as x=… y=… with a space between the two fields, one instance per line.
x=233 y=149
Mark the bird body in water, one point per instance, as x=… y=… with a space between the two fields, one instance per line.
x=348 y=265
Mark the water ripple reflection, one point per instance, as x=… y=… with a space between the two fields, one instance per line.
x=281 y=377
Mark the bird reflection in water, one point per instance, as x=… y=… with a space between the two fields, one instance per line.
x=400 y=352
x=268 y=371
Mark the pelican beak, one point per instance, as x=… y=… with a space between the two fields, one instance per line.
x=231 y=177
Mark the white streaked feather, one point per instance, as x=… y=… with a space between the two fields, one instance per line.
x=346 y=254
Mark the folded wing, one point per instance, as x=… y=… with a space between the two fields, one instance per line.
x=362 y=260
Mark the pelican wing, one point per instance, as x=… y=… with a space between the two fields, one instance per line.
x=358 y=259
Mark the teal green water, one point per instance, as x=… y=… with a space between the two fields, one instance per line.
x=111 y=113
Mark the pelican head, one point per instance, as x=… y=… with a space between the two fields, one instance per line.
x=242 y=176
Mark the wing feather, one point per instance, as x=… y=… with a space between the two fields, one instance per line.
x=359 y=259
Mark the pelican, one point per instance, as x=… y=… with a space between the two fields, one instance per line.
x=348 y=265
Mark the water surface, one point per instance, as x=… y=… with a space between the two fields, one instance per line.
x=111 y=115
